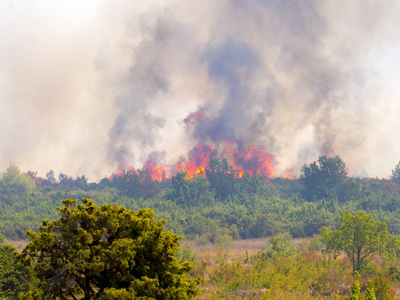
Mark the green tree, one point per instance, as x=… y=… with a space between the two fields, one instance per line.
x=322 y=179
x=396 y=173
x=14 y=277
x=107 y=252
x=190 y=192
x=358 y=237
x=15 y=185
x=221 y=177
x=50 y=177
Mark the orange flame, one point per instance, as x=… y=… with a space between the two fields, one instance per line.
x=199 y=159
x=287 y=174
x=244 y=159
x=122 y=171
x=157 y=172
x=250 y=159
x=193 y=117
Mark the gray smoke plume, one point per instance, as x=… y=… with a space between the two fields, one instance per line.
x=86 y=88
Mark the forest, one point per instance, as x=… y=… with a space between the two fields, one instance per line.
x=218 y=208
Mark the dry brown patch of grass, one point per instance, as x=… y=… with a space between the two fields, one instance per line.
x=19 y=245
x=239 y=248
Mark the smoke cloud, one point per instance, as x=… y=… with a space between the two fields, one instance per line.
x=87 y=88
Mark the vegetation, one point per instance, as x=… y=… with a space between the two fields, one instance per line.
x=359 y=237
x=220 y=203
x=216 y=207
x=14 y=277
x=294 y=270
x=106 y=252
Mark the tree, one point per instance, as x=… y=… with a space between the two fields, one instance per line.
x=358 y=237
x=14 y=277
x=323 y=179
x=190 y=192
x=221 y=177
x=396 y=173
x=107 y=252
x=50 y=177
x=15 y=185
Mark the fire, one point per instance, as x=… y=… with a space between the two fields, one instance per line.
x=287 y=174
x=199 y=159
x=157 y=172
x=249 y=159
x=193 y=117
x=122 y=170
x=252 y=160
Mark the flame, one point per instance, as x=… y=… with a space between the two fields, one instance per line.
x=287 y=174
x=199 y=159
x=122 y=170
x=157 y=172
x=244 y=159
x=250 y=159
x=193 y=117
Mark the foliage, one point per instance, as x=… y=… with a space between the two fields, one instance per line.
x=323 y=179
x=383 y=288
x=221 y=177
x=107 y=251
x=186 y=254
x=14 y=277
x=280 y=245
x=15 y=185
x=223 y=203
x=355 y=291
x=370 y=292
x=396 y=173
x=188 y=193
x=359 y=237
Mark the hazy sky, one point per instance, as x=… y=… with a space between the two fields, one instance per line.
x=86 y=85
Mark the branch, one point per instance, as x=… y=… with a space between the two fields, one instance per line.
x=72 y=295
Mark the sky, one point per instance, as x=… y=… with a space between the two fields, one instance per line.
x=88 y=86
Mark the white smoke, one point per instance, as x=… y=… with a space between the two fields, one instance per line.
x=85 y=86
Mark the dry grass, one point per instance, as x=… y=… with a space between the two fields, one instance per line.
x=239 y=248
x=19 y=245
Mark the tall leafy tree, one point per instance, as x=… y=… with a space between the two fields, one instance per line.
x=359 y=236
x=221 y=177
x=396 y=173
x=15 y=185
x=107 y=252
x=322 y=179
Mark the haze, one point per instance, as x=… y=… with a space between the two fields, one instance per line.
x=88 y=85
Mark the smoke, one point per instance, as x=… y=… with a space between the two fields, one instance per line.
x=88 y=88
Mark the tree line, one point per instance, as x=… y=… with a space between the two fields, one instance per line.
x=219 y=203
